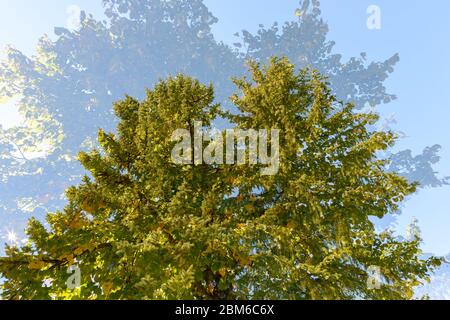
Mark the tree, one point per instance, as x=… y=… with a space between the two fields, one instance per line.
x=65 y=92
x=143 y=227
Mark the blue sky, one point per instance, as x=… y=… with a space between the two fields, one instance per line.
x=418 y=31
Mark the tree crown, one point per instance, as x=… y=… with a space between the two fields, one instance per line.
x=142 y=227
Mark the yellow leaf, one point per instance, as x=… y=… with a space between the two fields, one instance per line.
x=241 y=226
x=37 y=265
x=107 y=287
x=223 y=271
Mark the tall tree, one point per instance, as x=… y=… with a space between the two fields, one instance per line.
x=144 y=227
x=65 y=91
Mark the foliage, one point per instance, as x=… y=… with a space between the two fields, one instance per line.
x=65 y=91
x=143 y=227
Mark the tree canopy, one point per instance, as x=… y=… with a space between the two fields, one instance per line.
x=65 y=91
x=142 y=227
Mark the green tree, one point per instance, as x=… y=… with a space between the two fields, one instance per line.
x=142 y=227
x=65 y=91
